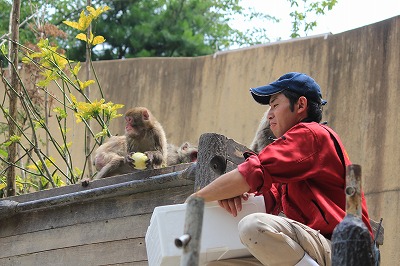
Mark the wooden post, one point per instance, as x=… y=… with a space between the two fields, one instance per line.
x=217 y=155
x=13 y=97
x=351 y=240
x=210 y=145
x=353 y=190
x=190 y=240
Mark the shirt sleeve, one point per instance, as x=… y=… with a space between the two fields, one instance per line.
x=291 y=158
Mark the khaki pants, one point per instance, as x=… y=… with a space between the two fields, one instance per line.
x=275 y=240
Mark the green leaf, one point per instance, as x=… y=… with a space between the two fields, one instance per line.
x=3 y=153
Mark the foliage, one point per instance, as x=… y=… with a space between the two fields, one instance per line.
x=300 y=18
x=45 y=64
x=141 y=28
x=166 y=28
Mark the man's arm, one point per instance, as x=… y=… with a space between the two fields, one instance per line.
x=226 y=186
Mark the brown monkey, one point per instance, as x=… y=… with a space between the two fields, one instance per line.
x=263 y=136
x=111 y=158
x=143 y=133
x=186 y=153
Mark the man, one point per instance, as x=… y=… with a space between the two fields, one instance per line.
x=301 y=174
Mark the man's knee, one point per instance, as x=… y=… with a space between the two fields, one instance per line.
x=266 y=240
x=252 y=226
x=265 y=227
x=248 y=224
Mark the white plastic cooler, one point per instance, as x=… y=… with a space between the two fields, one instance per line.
x=219 y=239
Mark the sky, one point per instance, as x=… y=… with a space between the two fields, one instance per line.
x=345 y=15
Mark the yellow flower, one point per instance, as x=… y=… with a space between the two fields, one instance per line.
x=15 y=138
x=49 y=60
x=85 y=20
x=102 y=133
x=76 y=69
x=3 y=49
x=50 y=161
x=92 y=41
x=58 y=180
x=110 y=109
x=49 y=76
x=82 y=24
x=61 y=113
x=43 y=43
x=39 y=124
x=26 y=59
x=86 y=111
x=78 y=118
x=83 y=85
x=97 y=40
x=97 y=12
x=73 y=99
x=77 y=171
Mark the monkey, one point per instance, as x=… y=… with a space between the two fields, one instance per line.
x=111 y=158
x=263 y=136
x=143 y=133
x=186 y=153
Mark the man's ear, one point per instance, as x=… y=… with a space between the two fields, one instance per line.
x=302 y=104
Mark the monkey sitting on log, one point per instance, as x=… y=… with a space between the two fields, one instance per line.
x=143 y=133
x=186 y=153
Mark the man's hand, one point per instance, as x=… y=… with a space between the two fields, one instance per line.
x=233 y=205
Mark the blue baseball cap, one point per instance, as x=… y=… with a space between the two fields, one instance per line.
x=293 y=81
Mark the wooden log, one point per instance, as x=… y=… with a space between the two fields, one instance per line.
x=190 y=241
x=217 y=155
x=9 y=208
x=190 y=172
x=351 y=240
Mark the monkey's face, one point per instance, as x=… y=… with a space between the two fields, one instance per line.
x=188 y=153
x=136 y=122
x=132 y=126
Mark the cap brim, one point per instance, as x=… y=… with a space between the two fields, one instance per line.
x=263 y=94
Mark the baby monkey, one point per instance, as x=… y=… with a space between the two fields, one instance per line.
x=186 y=153
x=143 y=133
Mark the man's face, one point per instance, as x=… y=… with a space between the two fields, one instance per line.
x=280 y=117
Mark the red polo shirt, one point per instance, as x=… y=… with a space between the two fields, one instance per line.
x=302 y=174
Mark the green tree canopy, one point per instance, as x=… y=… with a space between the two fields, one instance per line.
x=166 y=28
x=141 y=28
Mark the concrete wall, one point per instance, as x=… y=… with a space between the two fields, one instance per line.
x=358 y=72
